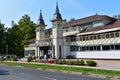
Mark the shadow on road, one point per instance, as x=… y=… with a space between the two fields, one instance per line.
x=4 y=72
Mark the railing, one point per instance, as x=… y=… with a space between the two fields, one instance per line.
x=70 y=33
x=43 y=43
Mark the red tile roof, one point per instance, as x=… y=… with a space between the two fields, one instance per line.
x=86 y=20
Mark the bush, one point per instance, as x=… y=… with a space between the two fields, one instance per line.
x=80 y=62
x=91 y=63
x=61 y=62
x=41 y=57
x=70 y=62
x=30 y=59
x=15 y=59
x=56 y=61
x=10 y=57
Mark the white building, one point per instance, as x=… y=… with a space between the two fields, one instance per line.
x=93 y=37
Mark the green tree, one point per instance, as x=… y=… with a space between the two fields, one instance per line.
x=2 y=38
x=17 y=36
x=27 y=29
x=14 y=41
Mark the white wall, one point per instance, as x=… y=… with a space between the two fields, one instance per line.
x=112 y=54
x=66 y=51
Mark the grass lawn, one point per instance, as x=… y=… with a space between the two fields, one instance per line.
x=64 y=68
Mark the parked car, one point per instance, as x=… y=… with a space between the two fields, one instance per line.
x=3 y=57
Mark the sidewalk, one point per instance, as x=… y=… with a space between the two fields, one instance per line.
x=101 y=64
x=109 y=64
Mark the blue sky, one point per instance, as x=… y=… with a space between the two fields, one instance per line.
x=15 y=9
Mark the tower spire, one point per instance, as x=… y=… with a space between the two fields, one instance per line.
x=57 y=8
x=57 y=15
x=41 y=20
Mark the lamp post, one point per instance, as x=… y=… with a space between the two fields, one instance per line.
x=6 y=49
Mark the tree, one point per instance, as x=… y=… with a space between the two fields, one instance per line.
x=2 y=38
x=116 y=16
x=14 y=41
x=17 y=36
x=27 y=29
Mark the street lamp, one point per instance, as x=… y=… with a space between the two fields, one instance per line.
x=6 y=49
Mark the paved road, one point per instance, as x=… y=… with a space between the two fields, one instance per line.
x=19 y=73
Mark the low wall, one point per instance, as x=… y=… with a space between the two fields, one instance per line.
x=112 y=54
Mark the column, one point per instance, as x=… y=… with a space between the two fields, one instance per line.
x=38 y=52
x=101 y=47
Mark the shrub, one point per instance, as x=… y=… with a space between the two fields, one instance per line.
x=80 y=62
x=56 y=61
x=10 y=57
x=91 y=63
x=61 y=62
x=41 y=57
x=15 y=59
x=30 y=59
x=70 y=62
x=42 y=61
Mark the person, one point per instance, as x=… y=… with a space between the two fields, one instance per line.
x=45 y=58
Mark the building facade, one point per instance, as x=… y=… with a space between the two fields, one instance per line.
x=93 y=37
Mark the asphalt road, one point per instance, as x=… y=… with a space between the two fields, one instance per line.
x=19 y=73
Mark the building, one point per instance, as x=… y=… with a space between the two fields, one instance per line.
x=93 y=37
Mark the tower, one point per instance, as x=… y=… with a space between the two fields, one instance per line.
x=57 y=34
x=40 y=33
x=40 y=29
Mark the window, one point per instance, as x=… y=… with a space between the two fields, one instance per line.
x=117 y=34
x=117 y=47
x=94 y=36
x=112 y=35
x=91 y=48
x=83 y=38
x=74 y=48
x=106 y=47
x=72 y=39
x=107 y=35
x=83 y=48
x=87 y=48
x=66 y=30
x=99 y=36
x=91 y=37
x=54 y=25
x=95 y=48
x=98 y=48
x=59 y=26
x=74 y=28
x=80 y=38
x=112 y=47
x=87 y=37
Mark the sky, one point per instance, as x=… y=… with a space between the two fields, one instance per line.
x=15 y=9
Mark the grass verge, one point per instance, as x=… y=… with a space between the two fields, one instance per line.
x=64 y=68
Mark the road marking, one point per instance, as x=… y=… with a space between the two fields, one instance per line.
x=48 y=78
